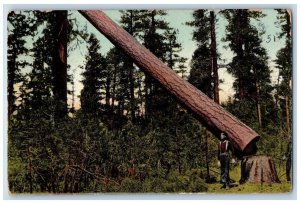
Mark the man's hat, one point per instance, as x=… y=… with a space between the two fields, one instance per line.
x=223 y=135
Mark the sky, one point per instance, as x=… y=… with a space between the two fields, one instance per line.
x=177 y=20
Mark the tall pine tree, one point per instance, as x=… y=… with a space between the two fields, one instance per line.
x=200 y=74
x=93 y=79
x=284 y=91
x=249 y=65
x=19 y=27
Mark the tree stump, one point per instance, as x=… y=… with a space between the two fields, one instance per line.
x=258 y=169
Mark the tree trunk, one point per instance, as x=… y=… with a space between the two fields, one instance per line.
x=10 y=88
x=288 y=165
x=287 y=114
x=59 y=68
x=213 y=51
x=258 y=107
x=240 y=53
x=131 y=76
x=258 y=169
x=107 y=94
x=212 y=115
x=131 y=91
x=113 y=94
x=30 y=176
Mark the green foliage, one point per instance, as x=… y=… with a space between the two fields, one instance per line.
x=284 y=64
x=130 y=185
x=175 y=182
x=249 y=64
x=20 y=26
x=93 y=79
x=201 y=71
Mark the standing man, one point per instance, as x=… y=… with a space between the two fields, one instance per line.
x=224 y=159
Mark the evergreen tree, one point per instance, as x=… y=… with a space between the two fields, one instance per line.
x=19 y=27
x=173 y=47
x=56 y=31
x=249 y=64
x=93 y=80
x=114 y=65
x=39 y=84
x=119 y=88
x=284 y=64
x=153 y=27
x=201 y=67
x=131 y=23
x=284 y=91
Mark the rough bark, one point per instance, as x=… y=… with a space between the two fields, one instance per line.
x=59 y=68
x=258 y=169
x=212 y=115
x=258 y=106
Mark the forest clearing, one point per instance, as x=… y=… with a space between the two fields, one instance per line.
x=143 y=116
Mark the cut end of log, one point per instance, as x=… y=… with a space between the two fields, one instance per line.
x=250 y=149
x=258 y=169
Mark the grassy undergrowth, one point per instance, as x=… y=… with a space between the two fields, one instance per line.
x=283 y=187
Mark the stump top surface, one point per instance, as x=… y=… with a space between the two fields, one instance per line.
x=257 y=157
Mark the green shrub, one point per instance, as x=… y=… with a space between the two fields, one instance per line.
x=130 y=185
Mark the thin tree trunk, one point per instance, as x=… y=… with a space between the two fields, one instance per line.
x=131 y=76
x=289 y=150
x=30 y=170
x=258 y=107
x=73 y=95
x=131 y=90
x=287 y=114
x=240 y=53
x=107 y=93
x=139 y=95
x=10 y=87
x=213 y=51
x=288 y=165
x=113 y=94
x=259 y=114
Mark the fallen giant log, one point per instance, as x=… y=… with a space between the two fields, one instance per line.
x=211 y=114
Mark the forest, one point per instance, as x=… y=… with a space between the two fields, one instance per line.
x=124 y=132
